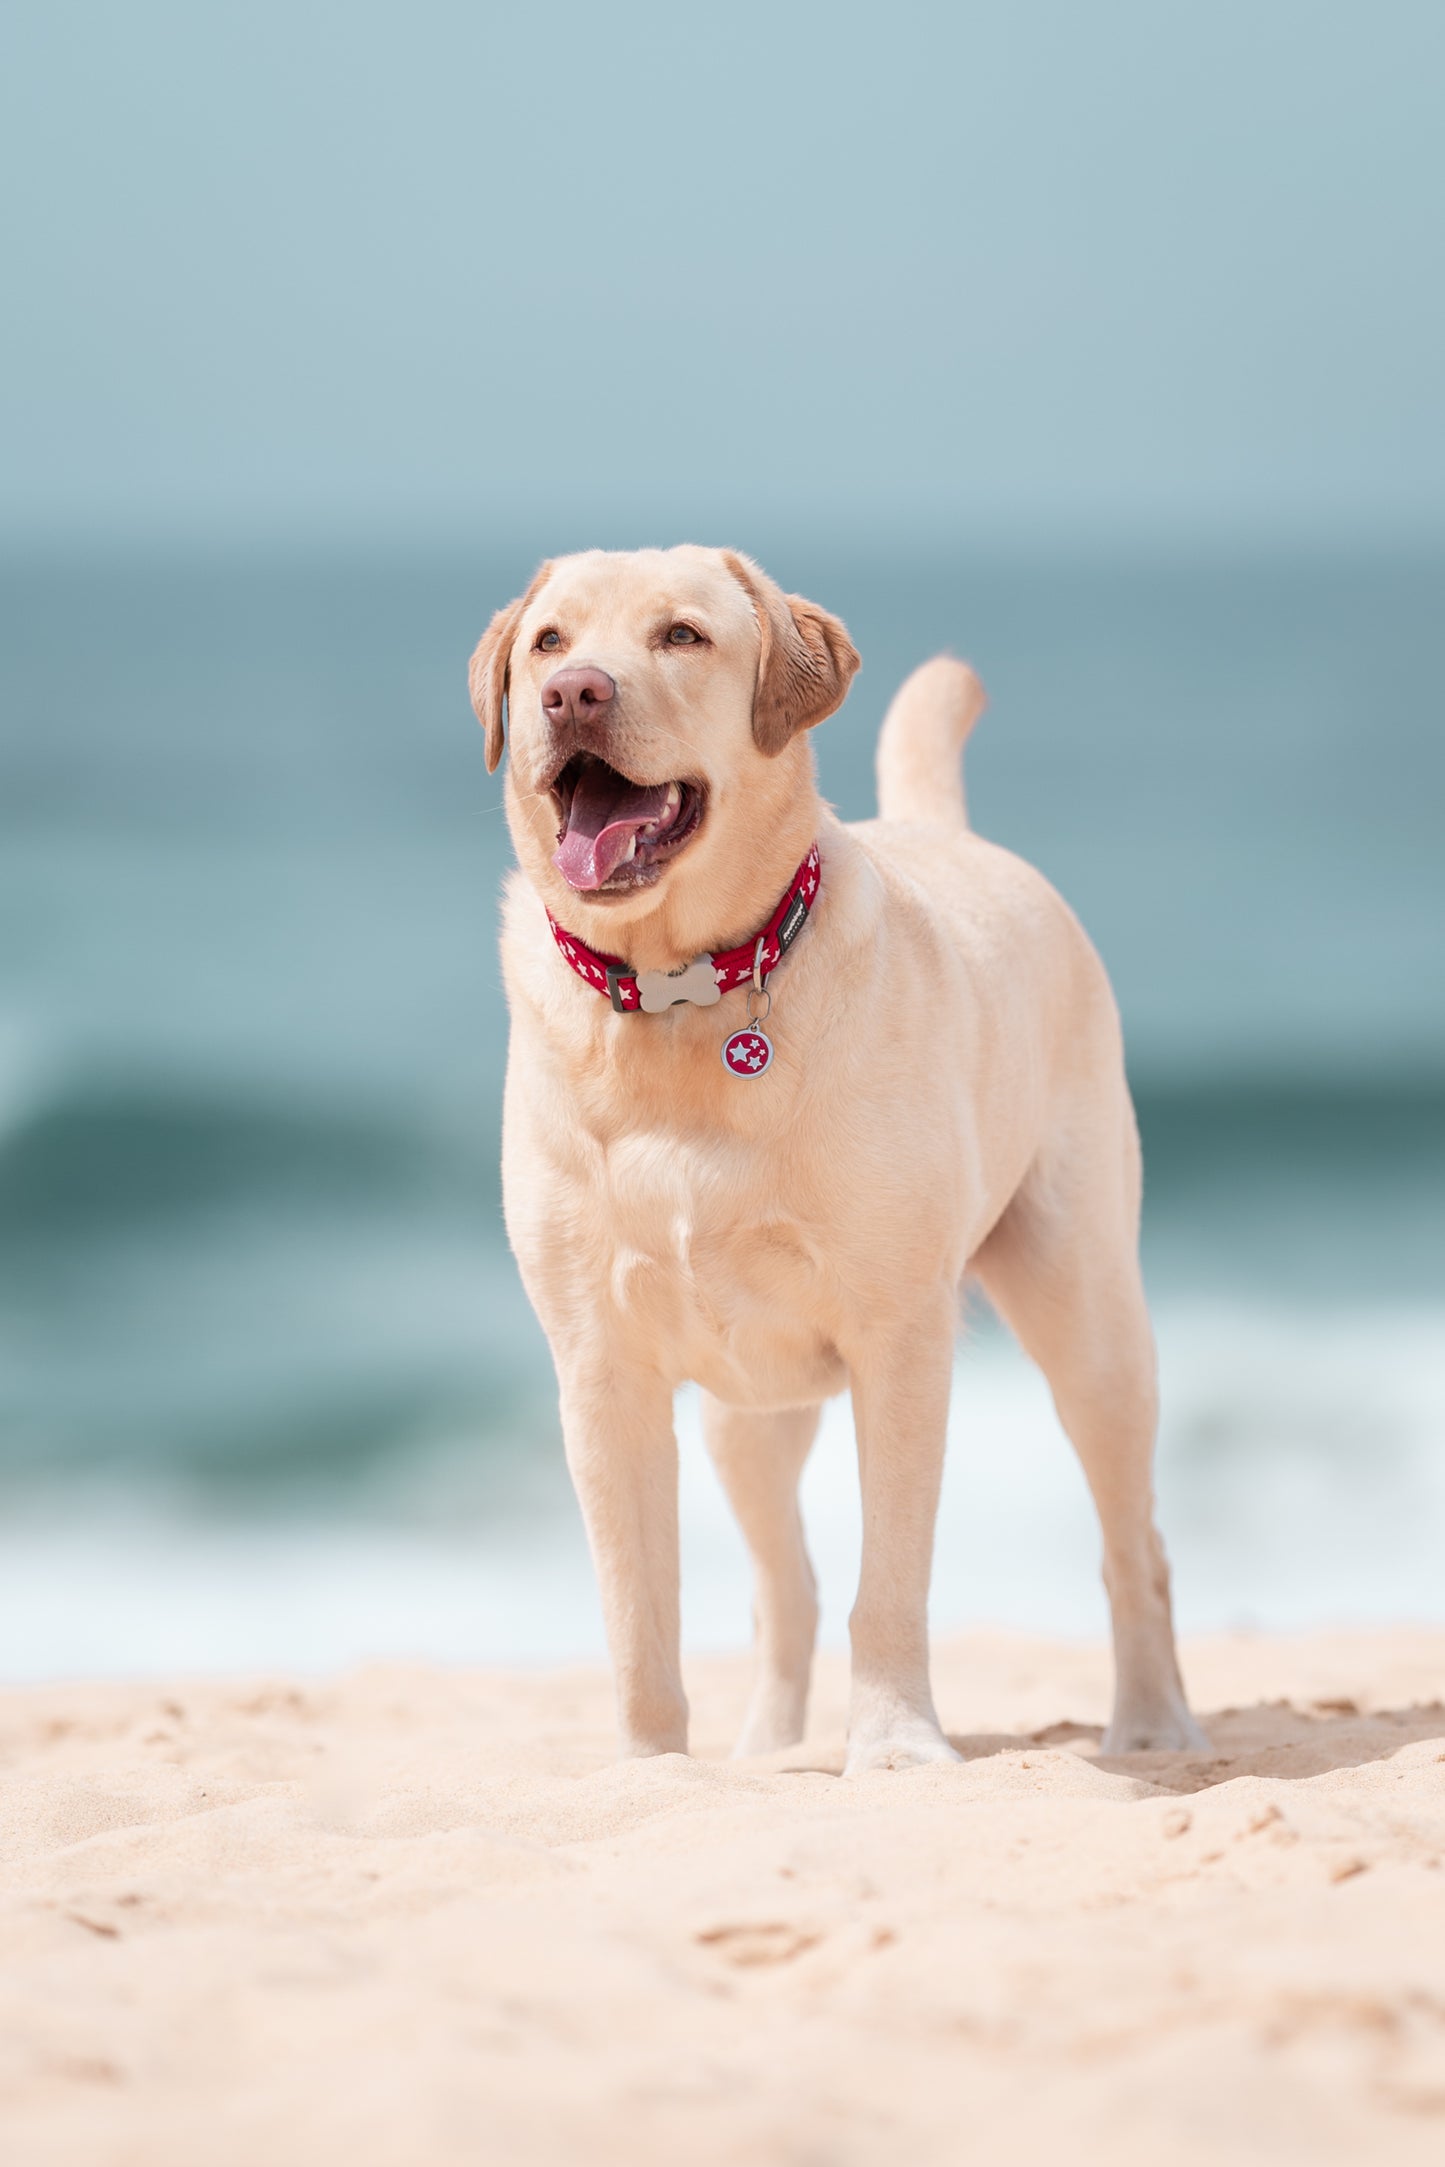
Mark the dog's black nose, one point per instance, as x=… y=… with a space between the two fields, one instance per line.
x=577 y=695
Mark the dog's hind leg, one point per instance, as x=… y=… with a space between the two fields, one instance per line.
x=759 y=1458
x=1062 y=1268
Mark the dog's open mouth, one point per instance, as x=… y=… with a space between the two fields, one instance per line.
x=614 y=835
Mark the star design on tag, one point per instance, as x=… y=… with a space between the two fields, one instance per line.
x=747 y=1053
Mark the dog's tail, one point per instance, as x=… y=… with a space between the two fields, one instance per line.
x=920 y=747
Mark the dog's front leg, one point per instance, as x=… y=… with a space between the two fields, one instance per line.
x=901 y=1378
x=622 y=1454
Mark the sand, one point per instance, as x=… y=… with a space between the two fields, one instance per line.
x=421 y=1917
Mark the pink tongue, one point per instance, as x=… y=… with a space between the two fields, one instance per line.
x=605 y=813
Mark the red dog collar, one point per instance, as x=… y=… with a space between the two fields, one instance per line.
x=707 y=978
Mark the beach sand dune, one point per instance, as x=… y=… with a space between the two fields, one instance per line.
x=409 y=1918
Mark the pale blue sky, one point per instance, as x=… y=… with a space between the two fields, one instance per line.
x=314 y=268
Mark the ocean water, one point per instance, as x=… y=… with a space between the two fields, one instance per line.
x=269 y=1390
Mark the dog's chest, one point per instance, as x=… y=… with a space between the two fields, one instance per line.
x=713 y=1263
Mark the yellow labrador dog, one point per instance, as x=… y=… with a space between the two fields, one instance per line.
x=777 y=1085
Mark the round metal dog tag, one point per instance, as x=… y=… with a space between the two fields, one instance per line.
x=747 y=1053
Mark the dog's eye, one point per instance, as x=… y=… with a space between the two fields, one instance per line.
x=683 y=636
x=549 y=639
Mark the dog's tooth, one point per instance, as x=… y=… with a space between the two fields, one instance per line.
x=630 y=852
x=674 y=797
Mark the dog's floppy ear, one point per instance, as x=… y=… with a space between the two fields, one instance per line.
x=806 y=662
x=489 y=671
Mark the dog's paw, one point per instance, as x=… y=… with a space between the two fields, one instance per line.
x=650 y=1745
x=909 y=1741
x=1168 y=1730
x=766 y=1737
x=776 y=1717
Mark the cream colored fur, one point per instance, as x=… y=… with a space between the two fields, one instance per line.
x=947 y=1098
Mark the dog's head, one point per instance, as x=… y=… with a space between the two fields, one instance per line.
x=655 y=702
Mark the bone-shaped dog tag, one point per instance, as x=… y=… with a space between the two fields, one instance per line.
x=695 y=982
